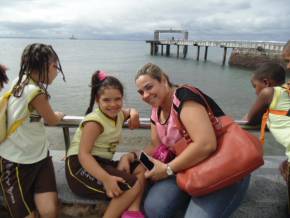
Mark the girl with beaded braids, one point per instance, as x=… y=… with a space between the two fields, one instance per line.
x=90 y=170
x=26 y=171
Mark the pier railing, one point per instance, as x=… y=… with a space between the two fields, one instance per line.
x=74 y=121
x=267 y=45
x=271 y=47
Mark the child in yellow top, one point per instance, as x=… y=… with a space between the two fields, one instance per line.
x=274 y=101
x=26 y=170
x=90 y=170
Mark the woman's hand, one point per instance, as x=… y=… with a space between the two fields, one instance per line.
x=111 y=186
x=133 y=121
x=158 y=172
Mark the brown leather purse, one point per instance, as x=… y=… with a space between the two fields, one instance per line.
x=238 y=153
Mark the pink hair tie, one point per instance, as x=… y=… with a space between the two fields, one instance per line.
x=102 y=75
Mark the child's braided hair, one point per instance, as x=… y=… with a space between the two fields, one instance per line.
x=36 y=57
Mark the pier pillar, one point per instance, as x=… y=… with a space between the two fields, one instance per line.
x=177 y=51
x=167 y=50
x=225 y=55
x=205 y=52
x=185 y=48
x=162 y=50
x=155 y=49
x=151 y=48
x=198 y=51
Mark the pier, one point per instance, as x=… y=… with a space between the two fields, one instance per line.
x=184 y=44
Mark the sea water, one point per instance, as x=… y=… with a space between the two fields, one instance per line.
x=229 y=86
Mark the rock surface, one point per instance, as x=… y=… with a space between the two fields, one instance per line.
x=252 y=58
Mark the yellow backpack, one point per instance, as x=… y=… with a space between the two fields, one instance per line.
x=4 y=131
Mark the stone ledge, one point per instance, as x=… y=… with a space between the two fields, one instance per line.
x=266 y=197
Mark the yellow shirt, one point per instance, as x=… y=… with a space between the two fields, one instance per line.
x=107 y=141
x=29 y=143
x=279 y=125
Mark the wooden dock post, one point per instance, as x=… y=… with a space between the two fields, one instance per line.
x=198 y=51
x=185 y=48
x=161 y=49
x=155 y=50
x=205 y=52
x=167 y=50
x=151 y=48
x=177 y=51
x=225 y=55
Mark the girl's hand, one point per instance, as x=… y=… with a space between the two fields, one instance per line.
x=60 y=115
x=124 y=163
x=111 y=186
x=134 y=121
x=158 y=172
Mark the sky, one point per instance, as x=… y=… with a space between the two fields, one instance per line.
x=137 y=19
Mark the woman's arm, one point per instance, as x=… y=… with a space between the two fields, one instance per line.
x=261 y=104
x=41 y=104
x=203 y=143
x=201 y=132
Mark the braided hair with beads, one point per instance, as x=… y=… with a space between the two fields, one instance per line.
x=36 y=57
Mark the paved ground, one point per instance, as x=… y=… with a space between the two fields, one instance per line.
x=266 y=197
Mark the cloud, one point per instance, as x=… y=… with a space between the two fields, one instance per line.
x=138 y=19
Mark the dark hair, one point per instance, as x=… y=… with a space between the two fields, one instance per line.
x=3 y=76
x=99 y=83
x=36 y=57
x=154 y=72
x=271 y=71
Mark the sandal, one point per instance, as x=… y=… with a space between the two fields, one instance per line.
x=132 y=214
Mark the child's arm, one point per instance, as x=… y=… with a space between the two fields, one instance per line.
x=132 y=115
x=128 y=158
x=90 y=133
x=262 y=103
x=125 y=160
x=41 y=104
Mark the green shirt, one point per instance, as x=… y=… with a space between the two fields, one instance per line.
x=279 y=125
x=106 y=143
x=29 y=143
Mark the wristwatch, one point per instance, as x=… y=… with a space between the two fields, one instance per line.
x=169 y=171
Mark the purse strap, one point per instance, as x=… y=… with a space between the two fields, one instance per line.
x=215 y=122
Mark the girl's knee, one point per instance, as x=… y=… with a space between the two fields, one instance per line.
x=50 y=210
